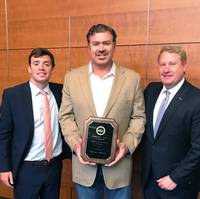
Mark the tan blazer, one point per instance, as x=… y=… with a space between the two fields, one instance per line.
x=125 y=105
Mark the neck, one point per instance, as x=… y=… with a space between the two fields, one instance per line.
x=40 y=85
x=101 y=71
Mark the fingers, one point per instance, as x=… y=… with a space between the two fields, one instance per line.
x=85 y=162
x=11 y=180
x=166 y=183
x=77 y=150
x=7 y=178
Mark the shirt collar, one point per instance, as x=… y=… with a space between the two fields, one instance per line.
x=174 y=89
x=35 y=90
x=110 y=73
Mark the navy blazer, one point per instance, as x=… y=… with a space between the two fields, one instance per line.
x=175 y=150
x=17 y=125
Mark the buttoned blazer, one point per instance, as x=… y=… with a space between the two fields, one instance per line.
x=125 y=105
x=175 y=150
x=17 y=125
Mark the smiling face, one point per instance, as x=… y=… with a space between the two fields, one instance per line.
x=172 y=70
x=40 y=70
x=101 y=49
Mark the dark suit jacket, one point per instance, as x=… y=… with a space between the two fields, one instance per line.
x=175 y=150
x=17 y=125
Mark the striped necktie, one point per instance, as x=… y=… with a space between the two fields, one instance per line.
x=161 y=111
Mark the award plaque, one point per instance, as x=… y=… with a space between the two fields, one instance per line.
x=100 y=140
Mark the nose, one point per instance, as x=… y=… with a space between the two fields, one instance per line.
x=41 y=66
x=166 y=68
x=101 y=47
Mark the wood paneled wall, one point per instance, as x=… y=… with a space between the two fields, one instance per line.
x=143 y=26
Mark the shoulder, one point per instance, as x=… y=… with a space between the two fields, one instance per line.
x=75 y=74
x=127 y=72
x=191 y=87
x=56 y=88
x=131 y=77
x=16 y=88
x=78 y=71
x=55 y=85
x=153 y=87
x=191 y=90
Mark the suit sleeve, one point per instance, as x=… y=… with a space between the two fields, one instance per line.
x=66 y=116
x=190 y=164
x=5 y=134
x=133 y=135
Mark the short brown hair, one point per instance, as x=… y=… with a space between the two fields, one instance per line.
x=39 y=52
x=100 y=28
x=174 y=49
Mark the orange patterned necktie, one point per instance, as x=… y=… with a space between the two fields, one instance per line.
x=47 y=127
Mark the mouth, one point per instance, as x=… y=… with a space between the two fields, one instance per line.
x=101 y=56
x=166 y=75
x=41 y=74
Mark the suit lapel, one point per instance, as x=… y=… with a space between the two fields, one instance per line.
x=86 y=88
x=27 y=104
x=116 y=87
x=172 y=108
x=56 y=90
x=150 y=105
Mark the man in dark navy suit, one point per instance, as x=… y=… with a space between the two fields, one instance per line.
x=23 y=165
x=171 y=142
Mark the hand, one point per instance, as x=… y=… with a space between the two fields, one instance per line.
x=122 y=150
x=77 y=150
x=7 y=178
x=166 y=183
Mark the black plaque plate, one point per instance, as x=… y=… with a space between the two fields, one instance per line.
x=100 y=140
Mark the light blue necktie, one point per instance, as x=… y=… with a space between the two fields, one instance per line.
x=161 y=111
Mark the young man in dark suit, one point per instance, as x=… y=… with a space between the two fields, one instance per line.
x=23 y=161
x=172 y=141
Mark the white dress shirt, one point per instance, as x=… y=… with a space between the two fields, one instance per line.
x=101 y=88
x=37 y=151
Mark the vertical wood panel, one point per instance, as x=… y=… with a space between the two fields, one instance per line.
x=30 y=10
x=164 y=5
x=2 y=25
x=131 y=28
x=62 y=64
x=132 y=57
x=39 y=33
x=3 y=71
x=174 y=25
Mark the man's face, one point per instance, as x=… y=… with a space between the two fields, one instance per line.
x=40 y=70
x=101 y=49
x=172 y=70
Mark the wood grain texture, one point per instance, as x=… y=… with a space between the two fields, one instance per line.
x=174 y=25
x=131 y=28
x=2 y=25
x=30 y=10
x=39 y=33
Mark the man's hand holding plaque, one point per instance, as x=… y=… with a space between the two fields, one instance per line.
x=100 y=140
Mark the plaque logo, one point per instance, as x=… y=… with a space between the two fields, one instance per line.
x=100 y=130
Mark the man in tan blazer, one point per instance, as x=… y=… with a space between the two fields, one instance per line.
x=103 y=89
